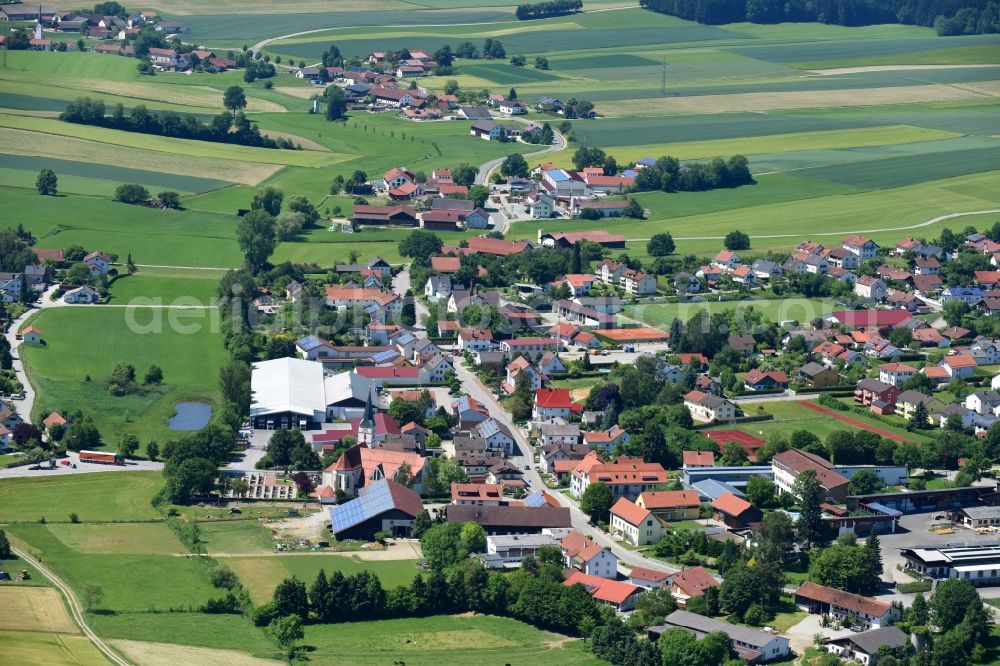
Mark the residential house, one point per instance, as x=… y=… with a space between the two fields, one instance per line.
x=477 y=494
x=959 y=366
x=627 y=477
x=475 y=340
x=634 y=525
x=726 y=260
x=789 y=464
x=437 y=287
x=697 y=459
x=670 y=505
x=765 y=380
x=864 y=248
x=896 y=374
x=511 y=519
x=606 y=439
x=907 y=401
x=853 y=609
x=583 y=555
x=532 y=348
x=706 y=407
x=865 y=647
x=871 y=288
x=620 y=596
x=98 y=263
x=553 y=403
x=818 y=376
x=85 y=295
x=690 y=583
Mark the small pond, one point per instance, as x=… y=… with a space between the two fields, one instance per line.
x=190 y=416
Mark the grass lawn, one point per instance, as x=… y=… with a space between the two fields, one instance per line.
x=118 y=539
x=166 y=286
x=130 y=582
x=31 y=648
x=235 y=536
x=230 y=632
x=94 y=497
x=190 y=362
x=458 y=640
x=799 y=309
x=260 y=575
x=790 y=415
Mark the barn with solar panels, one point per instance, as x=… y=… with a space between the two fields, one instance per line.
x=384 y=506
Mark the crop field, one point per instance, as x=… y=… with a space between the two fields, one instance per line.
x=88 y=170
x=30 y=648
x=236 y=536
x=118 y=538
x=164 y=144
x=505 y=74
x=168 y=654
x=798 y=309
x=94 y=497
x=186 y=344
x=460 y=640
x=909 y=169
x=35 y=609
x=825 y=140
x=260 y=575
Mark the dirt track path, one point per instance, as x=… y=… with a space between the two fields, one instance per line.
x=854 y=422
x=75 y=608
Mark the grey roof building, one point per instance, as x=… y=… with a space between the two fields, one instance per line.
x=750 y=644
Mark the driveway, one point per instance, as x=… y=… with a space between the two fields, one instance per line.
x=24 y=407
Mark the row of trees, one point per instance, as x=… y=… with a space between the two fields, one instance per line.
x=949 y=17
x=230 y=126
x=539 y=10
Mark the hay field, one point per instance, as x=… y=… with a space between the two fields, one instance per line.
x=29 y=648
x=26 y=142
x=163 y=144
x=171 y=654
x=813 y=99
x=118 y=539
x=34 y=609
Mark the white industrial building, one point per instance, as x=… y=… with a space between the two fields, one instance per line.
x=298 y=393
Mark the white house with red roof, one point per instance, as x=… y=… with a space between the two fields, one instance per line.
x=648 y=578
x=588 y=557
x=551 y=404
x=895 y=373
x=98 y=263
x=579 y=283
x=397 y=177
x=626 y=477
x=864 y=248
x=607 y=439
x=726 y=260
x=959 y=366
x=619 y=595
x=633 y=524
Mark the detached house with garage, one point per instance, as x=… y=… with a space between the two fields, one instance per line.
x=707 y=407
x=863 y=248
x=588 y=557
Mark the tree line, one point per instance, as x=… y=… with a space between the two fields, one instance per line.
x=948 y=17
x=230 y=126
x=539 y=10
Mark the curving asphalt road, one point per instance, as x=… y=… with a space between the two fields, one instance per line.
x=75 y=608
x=558 y=143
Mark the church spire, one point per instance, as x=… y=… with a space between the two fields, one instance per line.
x=366 y=428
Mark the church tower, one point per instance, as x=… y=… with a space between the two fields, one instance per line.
x=366 y=429
x=38 y=25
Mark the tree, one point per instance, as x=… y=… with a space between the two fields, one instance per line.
x=660 y=245
x=442 y=545
x=82 y=435
x=169 y=199
x=464 y=174
x=810 y=527
x=131 y=193
x=479 y=194
x=420 y=245
x=633 y=209
x=128 y=445
x=514 y=166
x=736 y=240
x=733 y=455
x=287 y=630
x=597 y=501
x=739 y=590
x=473 y=537
x=951 y=601
x=336 y=103
x=47 y=182
x=152 y=450
x=257 y=237
x=189 y=478
x=919 y=614
x=93 y=595
x=865 y=482
x=234 y=99
x=268 y=199
x=290 y=598
x=842 y=567
x=760 y=492
x=679 y=647
x=541 y=62
x=4 y=546
x=872 y=560
x=154 y=376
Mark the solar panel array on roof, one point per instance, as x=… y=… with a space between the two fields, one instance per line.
x=535 y=499
x=385 y=356
x=374 y=499
x=882 y=508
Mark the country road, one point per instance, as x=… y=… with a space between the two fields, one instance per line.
x=75 y=608
x=483 y=175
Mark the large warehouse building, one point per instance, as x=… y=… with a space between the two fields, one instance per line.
x=297 y=393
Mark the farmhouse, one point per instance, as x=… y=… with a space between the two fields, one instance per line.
x=750 y=644
x=852 y=608
x=511 y=519
x=385 y=215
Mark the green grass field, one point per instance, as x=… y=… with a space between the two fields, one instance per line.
x=236 y=536
x=260 y=575
x=166 y=286
x=181 y=342
x=94 y=497
x=118 y=539
x=799 y=309
x=460 y=640
x=226 y=632
x=35 y=648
